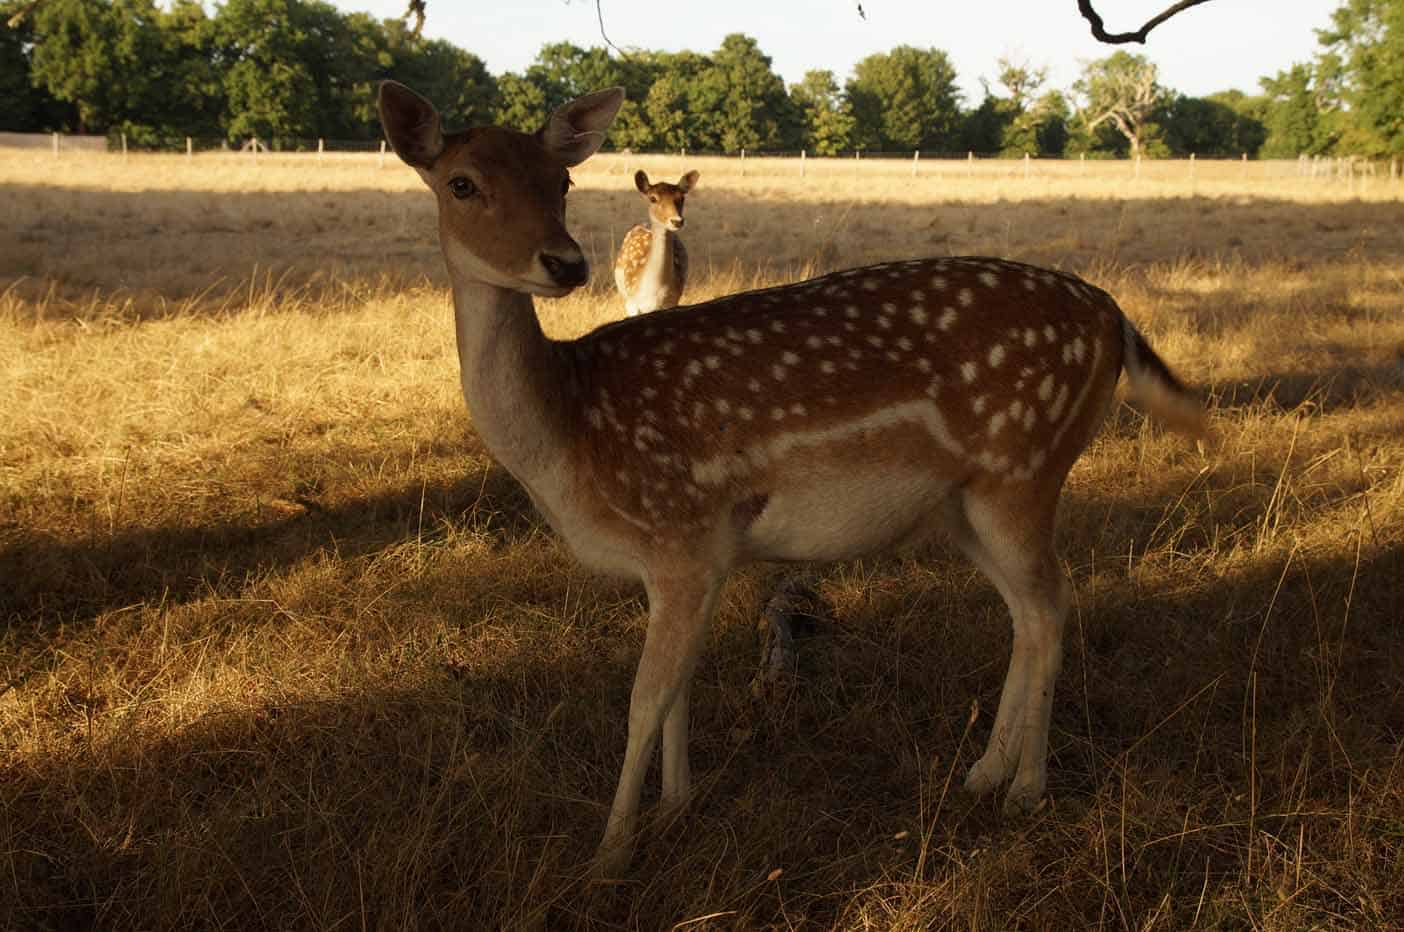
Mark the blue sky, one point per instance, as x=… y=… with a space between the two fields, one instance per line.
x=1219 y=45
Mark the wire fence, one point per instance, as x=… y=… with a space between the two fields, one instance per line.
x=802 y=163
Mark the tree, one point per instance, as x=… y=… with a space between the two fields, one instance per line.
x=905 y=99
x=743 y=101
x=1210 y=126
x=522 y=102
x=828 y=118
x=104 y=57
x=1364 y=67
x=1042 y=129
x=1122 y=90
x=24 y=107
x=1293 y=120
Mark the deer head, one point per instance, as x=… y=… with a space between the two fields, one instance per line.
x=502 y=193
x=665 y=201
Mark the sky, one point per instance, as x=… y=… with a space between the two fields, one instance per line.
x=1213 y=47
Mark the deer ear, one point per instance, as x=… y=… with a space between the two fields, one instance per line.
x=688 y=182
x=641 y=181
x=576 y=131
x=411 y=125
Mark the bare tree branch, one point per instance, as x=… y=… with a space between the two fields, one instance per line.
x=416 y=10
x=1120 y=38
x=14 y=21
x=599 y=13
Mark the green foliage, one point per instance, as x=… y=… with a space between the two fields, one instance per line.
x=1210 y=126
x=23 y=105
x=905 y=99
x=827 y=116
x=1364 y=67
x=1293 y=119
x=1041 y=129
x=746 y=104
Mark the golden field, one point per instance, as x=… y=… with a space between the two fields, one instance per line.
x=283 y=649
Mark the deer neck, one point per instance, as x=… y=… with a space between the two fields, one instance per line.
x=658 y=267
x=515 y=380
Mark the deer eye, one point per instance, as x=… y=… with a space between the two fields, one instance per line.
x=653 y=198
x=461 y=187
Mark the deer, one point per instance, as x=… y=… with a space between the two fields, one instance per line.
x=817 y=421
x=651 y=270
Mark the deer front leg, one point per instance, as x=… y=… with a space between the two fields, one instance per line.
x=679 y=609
x=677 y=777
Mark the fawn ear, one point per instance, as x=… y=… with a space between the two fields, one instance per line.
x=688 y=182
x=641 y=181
x=411 y=125
x=576 y=130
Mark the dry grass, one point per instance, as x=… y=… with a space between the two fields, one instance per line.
x=284 y=650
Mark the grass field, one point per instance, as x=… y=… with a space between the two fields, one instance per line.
x=283 y=649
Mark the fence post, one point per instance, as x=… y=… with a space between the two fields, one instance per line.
x=321 y=147
x=189 y=148
x=1245 y=165
x=916 y=157
x=1026 y=166
x=857 y=157
x=1191 y=166
x=124 y=147
x=801 y=163
x=382 y=154
x=970 y=163
x=56 y=145
x=743 y=161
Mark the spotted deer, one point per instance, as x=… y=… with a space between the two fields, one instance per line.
x=651 y=269
x=815 y=421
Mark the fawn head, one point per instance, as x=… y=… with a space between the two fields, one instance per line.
x=665 y=201
x=502 y=193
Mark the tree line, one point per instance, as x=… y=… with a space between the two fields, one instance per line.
x=288 y=71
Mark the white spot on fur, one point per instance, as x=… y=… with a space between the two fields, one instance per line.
x=968 y=371
x=966 y=297
x=989 y=279
x=1045 y=388
x=996 y=355
x=948 y=318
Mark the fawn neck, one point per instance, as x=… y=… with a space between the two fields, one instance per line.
x=658 y=268
x=515 y=380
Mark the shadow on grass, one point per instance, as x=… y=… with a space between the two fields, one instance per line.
x=51 y=581
x=1189 y=725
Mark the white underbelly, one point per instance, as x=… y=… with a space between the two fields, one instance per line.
x=845 y=515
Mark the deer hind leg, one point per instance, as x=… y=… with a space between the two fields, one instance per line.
x=1012 y=544
x=679 y=609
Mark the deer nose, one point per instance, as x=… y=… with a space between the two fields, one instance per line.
x=676 y=223
x=566 y=271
